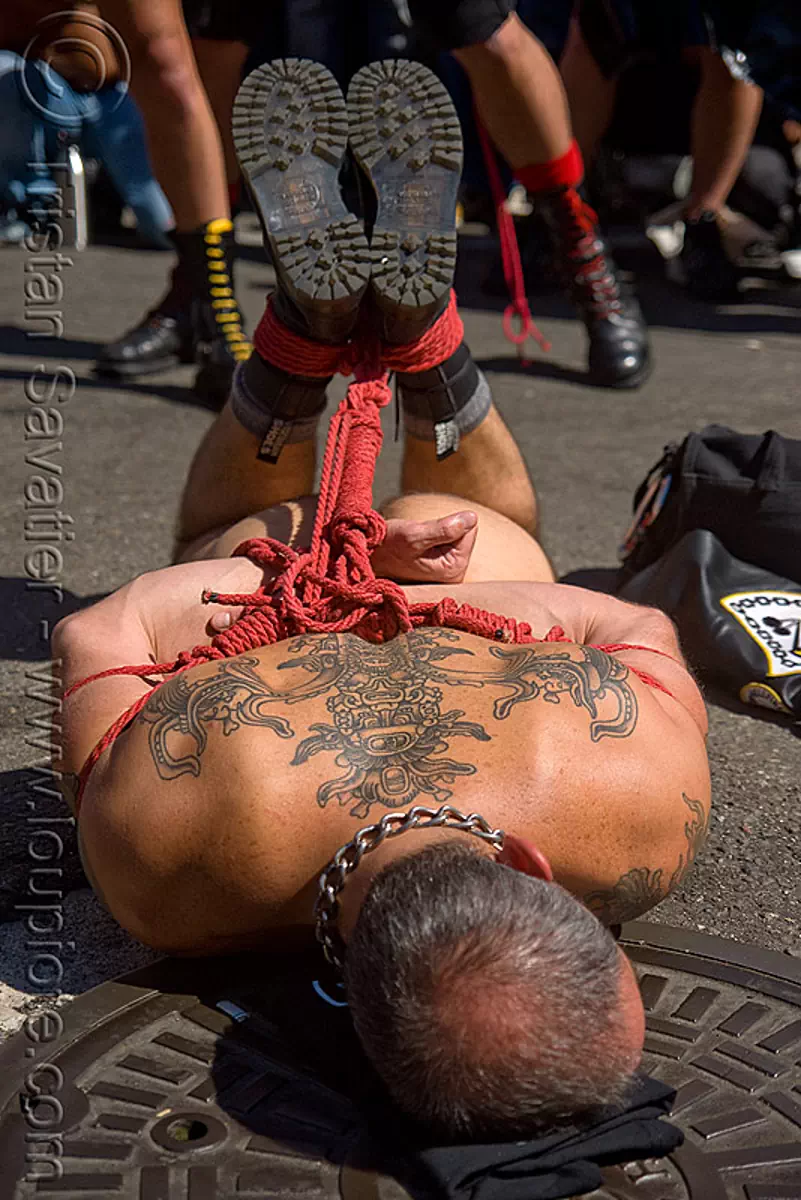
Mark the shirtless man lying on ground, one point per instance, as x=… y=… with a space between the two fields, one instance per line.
x=482 y=980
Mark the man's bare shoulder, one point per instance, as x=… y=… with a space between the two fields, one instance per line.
x=588 y=618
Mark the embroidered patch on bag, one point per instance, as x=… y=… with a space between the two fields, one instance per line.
x=773 y=620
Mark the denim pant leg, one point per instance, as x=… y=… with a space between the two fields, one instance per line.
x=113 y=132
x=22 y=141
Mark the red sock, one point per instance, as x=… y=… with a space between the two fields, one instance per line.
x=565 y=171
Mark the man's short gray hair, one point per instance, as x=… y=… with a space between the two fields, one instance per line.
x=487 y=1000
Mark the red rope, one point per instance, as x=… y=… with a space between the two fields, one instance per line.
x=331 y=588
x=518 y=308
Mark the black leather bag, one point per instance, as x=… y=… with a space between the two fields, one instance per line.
x=744 y=488
x=716 y=544
x=740 y=626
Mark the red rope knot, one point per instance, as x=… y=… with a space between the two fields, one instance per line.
x=265 y=552
x=389 y=613
x=193 y=658
x=366 y=396
x=255 y=628
x=370 y=525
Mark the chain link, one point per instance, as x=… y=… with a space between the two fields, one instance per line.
x=348 y=857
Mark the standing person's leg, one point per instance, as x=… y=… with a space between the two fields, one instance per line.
x=220 y=64
x=183 y=138
x=590 y=92
x=519 y=95
x=114 y=133
x=187 y=155
x=725 y=116
x=21 y=135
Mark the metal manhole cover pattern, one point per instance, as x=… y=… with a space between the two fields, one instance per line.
x=152 y=1094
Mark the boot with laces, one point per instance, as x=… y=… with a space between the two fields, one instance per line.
x=619 y=353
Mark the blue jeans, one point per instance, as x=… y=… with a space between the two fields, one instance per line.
x=42 y=114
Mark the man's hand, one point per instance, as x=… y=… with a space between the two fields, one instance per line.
x=435 y=551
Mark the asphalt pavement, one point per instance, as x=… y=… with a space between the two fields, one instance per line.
x=121 y=458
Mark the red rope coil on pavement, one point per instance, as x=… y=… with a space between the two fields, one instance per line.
x=331 y=587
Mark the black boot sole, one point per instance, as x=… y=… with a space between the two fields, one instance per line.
x=405 y=135
x=290 y=127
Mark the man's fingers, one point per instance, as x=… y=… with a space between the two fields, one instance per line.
x=442 y=529
x=223 y=619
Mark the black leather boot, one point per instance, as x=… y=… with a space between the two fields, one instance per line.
x=219 y=341
x=162 y=339
x=198 y=320
x=290 y=128
x=619 y=354
x=406 y=138
x=709 y=273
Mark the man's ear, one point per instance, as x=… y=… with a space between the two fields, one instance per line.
x=522 y=855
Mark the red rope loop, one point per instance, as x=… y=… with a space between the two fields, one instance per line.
x=518 y=307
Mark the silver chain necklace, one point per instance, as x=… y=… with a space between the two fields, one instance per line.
x=348 y=857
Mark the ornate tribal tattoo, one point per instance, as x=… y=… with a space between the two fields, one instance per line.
x=389 y=730
x=184 y=708
x=641 y=889
x=390 y=727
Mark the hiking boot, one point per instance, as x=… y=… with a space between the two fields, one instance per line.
x=290 y=127
x=709 y=273
x=405 y=136
x=619 y=354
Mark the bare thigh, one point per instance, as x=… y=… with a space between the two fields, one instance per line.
x=290 y=522
x=503 y=551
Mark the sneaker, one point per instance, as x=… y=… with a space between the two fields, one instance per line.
x=619 y=354
x=290 y=127
x=709 y=273
x=406 y=137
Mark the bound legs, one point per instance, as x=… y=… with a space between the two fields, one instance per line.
x=227 y=482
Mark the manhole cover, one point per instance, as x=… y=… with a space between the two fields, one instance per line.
x=241 y=1077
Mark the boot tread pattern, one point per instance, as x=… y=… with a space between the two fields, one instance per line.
x=402 y=118
x=286 y=110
